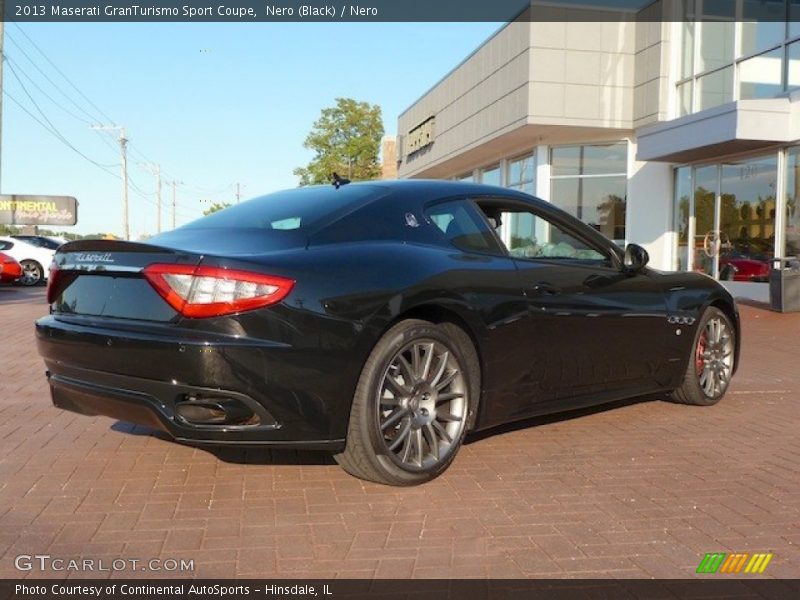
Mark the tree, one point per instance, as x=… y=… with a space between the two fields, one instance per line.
x=216 y=207
x=346 y=139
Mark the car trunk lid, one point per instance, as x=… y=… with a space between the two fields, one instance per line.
x=104 y=278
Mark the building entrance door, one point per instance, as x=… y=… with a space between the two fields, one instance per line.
x=728 y=219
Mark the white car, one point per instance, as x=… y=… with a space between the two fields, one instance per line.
x=35 y=261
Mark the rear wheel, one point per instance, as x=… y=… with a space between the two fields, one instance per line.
x=414 y=400
x=711 y=364
x=32 y=273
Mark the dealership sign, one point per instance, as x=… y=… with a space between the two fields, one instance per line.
x=38 y=210
x=420 y=136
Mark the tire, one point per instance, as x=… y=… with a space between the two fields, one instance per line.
x=32 y=273
x=415 y=400
x=705 y=391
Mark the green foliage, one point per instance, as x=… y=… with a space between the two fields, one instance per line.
x=216 y=207
x=346 y=139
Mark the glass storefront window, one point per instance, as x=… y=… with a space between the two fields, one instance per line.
x=760 y=76
x=794 y=18
x=599 y=202
x=522 y=174
x=763 y=25
x=683 y=191
x=731 y=215
x=467 y=177
x=716 y=40
x=746 y=41
x=715 y=89
x=793 y=65
x=685 y=98
x=687 y=49
x=705 y=200
x=590 y=182
x=601 y=159
x=491 y=175
x=791 y=245
x=747 y=219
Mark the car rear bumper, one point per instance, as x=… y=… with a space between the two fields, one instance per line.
x=147 y=378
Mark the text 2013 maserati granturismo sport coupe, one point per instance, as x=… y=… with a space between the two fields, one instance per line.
x=380 y=321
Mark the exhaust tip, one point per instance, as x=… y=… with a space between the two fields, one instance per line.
x=219 y=411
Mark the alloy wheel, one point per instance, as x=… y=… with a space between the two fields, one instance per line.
x=714 y=357
x=422 y=405
x=31 y=273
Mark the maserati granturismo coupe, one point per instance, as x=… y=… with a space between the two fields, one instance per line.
x=379 y=321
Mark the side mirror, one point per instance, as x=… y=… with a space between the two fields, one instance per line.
x=636 y=258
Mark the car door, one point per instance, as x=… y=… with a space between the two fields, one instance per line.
x=483 y=276
x=593 y=327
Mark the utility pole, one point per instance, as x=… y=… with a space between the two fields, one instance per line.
x=156 y=170
x=123 y=148
x=238 y=193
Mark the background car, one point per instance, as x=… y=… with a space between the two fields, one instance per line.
x=35 y=261
x=379 y=321
x=41 y=241
x=736 y=267
x=10 y=269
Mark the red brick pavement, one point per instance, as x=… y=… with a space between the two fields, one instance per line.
x=634 y=490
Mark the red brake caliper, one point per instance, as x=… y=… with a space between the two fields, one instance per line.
x=699 y=362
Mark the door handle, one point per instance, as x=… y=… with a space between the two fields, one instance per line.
x=546 y=289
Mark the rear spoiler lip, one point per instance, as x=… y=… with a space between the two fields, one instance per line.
x=110 y=246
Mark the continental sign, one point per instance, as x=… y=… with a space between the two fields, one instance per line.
x=38 y=210
x=420 y=136
x=741 y=562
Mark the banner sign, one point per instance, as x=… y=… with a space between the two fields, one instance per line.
x=375 y=10
x=38 y=210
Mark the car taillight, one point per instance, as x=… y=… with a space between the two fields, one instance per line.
x=205 y=291
x=52 y=277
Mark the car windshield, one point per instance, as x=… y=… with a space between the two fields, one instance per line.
x=290 y=210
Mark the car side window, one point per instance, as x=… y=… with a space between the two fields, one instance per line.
x=529 y=235
x=6 y=246
x=461 y=224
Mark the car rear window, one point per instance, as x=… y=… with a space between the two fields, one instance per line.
x=300 y=209
x=458 y=221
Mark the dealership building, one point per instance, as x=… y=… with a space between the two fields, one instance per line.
x=682 y=136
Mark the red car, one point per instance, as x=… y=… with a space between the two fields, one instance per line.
x=10 y=269
x=743 y=268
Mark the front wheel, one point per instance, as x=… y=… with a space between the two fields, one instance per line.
x=711 y=364
x=414 y=400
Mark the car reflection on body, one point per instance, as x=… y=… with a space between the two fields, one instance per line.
x=379 y=321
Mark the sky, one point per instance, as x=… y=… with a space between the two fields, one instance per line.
x=213 y=104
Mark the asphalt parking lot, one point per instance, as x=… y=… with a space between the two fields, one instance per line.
x=641 y=489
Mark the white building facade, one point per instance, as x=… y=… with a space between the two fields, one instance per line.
x=682 y=136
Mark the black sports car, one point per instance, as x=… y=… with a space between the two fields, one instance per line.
x=380 y=321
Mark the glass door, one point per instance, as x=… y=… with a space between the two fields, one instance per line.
x=747 y=219
x=724 y=219
x=706 y=230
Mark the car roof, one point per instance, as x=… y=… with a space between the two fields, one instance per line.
x=425 y=190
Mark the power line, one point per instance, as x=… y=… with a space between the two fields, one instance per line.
x=60 y=72
x=32 y=82
x=51 y=132
x=55 y=130
x=49 y=80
